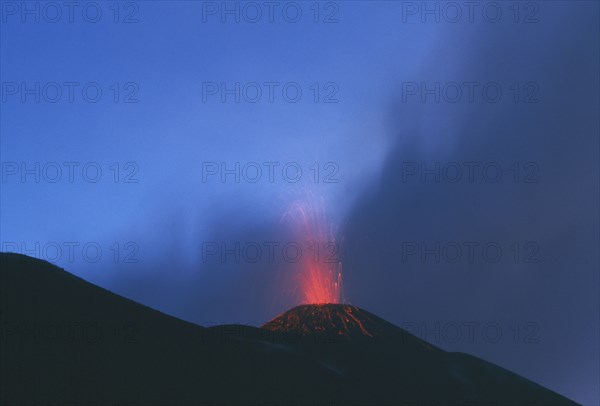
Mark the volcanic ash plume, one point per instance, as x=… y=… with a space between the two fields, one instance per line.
x=319 y=275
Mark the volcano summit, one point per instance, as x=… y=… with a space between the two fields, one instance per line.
x=332 y=319
x=341 y=322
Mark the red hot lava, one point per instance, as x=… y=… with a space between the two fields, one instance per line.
x=320 y=274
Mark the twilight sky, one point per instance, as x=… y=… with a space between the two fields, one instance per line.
x=457 y=162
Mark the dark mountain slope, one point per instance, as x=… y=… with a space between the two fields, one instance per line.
x=66 y=341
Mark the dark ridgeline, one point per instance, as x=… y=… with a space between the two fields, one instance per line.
x=66 y=341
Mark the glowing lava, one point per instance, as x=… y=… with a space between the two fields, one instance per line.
x=329 y=319
x=319 y=277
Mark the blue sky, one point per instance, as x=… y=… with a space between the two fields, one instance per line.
x=153 y=130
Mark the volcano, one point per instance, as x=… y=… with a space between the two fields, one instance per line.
x=397 y=367
x=341 y=322
x=336 y=320
x=66 y=341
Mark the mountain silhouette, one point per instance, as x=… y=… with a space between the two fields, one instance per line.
x=66 y=341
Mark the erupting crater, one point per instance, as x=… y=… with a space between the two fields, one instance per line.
x=337 y=320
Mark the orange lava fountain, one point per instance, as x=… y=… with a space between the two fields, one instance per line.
x=320 y=274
